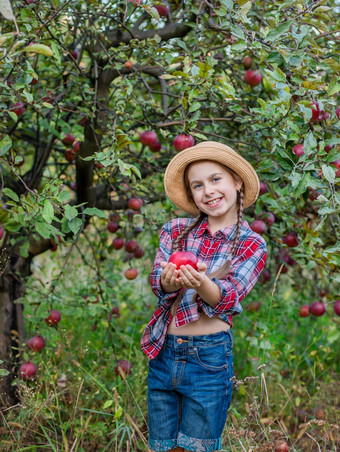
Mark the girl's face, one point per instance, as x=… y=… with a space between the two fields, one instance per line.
x=214 y=191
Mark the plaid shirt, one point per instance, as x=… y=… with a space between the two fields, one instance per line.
x=248 y=262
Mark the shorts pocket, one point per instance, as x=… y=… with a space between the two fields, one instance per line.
x=211 y=358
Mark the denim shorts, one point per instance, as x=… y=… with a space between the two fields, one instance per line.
x=189 y=392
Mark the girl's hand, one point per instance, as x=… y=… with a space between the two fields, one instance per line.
x=191 y=278
x=169 y=277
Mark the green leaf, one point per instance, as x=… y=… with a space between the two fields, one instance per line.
x=152 y=11
x=107 y=404
x=24 y=249
x=278 y=31
x=48 y=211
x=75 y=225
x=64 y=196
x=328 y=173
x=70 y=212
x=10 y=194
x=5 y=145
x=237 y=31
x=244 y=10
x=309 y=143
x=38 y=48
x=94 y=211
x=195 y=106
x=42 y=230
x=333 y=87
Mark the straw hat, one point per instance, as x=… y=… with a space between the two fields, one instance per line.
x=208 y=150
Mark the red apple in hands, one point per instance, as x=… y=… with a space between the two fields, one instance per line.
x=252 y=78
x=317 y=308
x=183 y=141
x=36 y=343
x=28 y=371
x=54 y=318
x=184 y=258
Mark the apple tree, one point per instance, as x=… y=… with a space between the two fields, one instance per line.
x=97 y=96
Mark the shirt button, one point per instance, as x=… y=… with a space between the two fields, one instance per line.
x=179 y=340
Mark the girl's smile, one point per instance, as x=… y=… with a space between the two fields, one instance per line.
x=214 y=191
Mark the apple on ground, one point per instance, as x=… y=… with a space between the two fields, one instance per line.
x=317 y=308
x=131 y=273
x=123 y=367
x=54 y=318
x=184 y=258
x=304 y=311
x=281 y=446
x=336 y=307
x=118 y=243
x=183 y=141
x=112 y=226
x=28 y=371
x=258 y=226
x=68 y=139
x=252 y=78
x=18 y=108
x=36 y=343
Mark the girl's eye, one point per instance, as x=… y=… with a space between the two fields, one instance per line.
x=197 y=186
x=215 y=179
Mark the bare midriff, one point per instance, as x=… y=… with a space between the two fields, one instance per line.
x=204 y=325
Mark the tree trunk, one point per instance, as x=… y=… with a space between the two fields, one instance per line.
x=12 y=288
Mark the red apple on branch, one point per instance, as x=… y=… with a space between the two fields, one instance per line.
x=184 y=258
x=117 y=243
x=54 y=318
x=183 y=141
x=291 y=240
x=28 y=371
x=131 y=246
x=162 y=8
x=298 y=150
x=1 y=232
x=68 y=139
x=149 y=138
x=247 y=62
x=18 y=108
x=131 y=273
x=135 y=203
x=317 y=308
x=112 y=226
x=336 y=307
x=36 y=343
x=304 y=311
x=258 y=226
x=252 y=78
x=263 y=188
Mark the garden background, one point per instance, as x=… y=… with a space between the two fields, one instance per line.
x=80 y=82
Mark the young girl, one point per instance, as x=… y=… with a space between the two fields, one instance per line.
x=189 y=339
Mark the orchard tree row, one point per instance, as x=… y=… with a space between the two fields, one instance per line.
x=96 y=98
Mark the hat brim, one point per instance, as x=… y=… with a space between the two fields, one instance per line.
x=217 y=152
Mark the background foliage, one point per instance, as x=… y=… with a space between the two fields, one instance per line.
x=104 y=72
